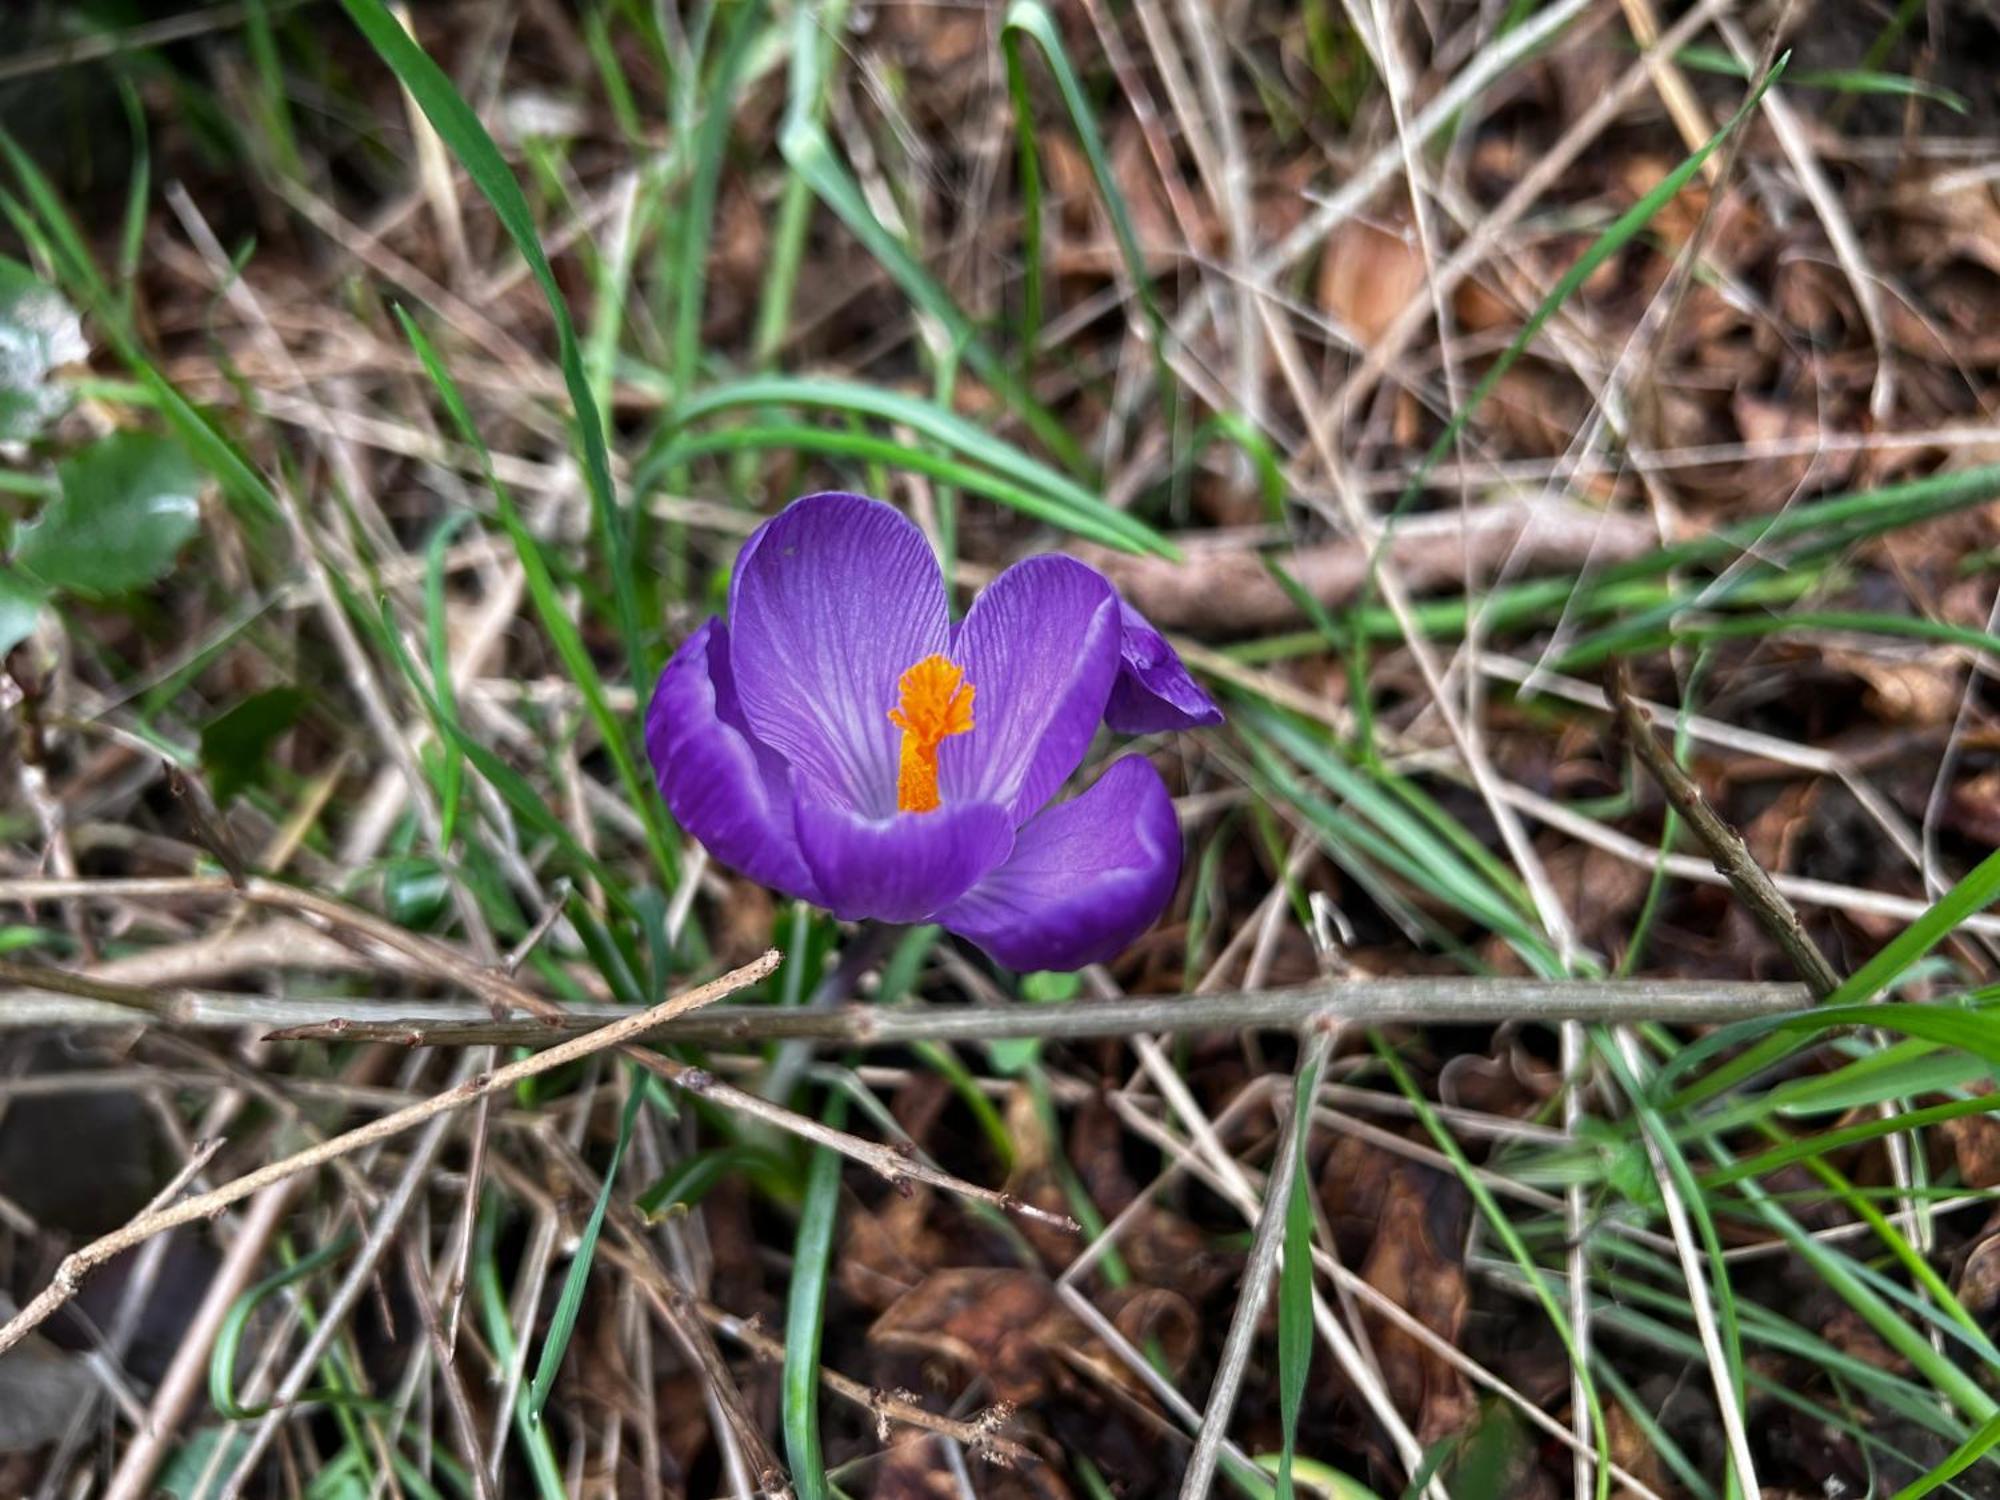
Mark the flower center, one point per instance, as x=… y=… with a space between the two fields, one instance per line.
x=936 y=703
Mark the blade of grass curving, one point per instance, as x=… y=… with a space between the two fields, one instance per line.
x=1962 y=1458
x=871 y=449
x=810 y=154
x=1862 y=80
x=459 y=128
x=692 y=1179
x=222 y=1358
x=805 y=1313
x=551 y=610
x=850 y=399
x=532 y=1436
x=563 y=1322
x=1031 y=19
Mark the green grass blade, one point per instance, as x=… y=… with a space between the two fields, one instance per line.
x=851 y=399
x=562 y=1323
x=467 y=139
x=810 y=154
x=494 y=1317
x=833 y=442
x=805 y=1313
x=1031 y=19
x=1964 y=1457
x=1295 y=1276
x=1516 y=1247
x=554 y=614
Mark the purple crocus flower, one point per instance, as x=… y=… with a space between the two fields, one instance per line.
x=841 y=740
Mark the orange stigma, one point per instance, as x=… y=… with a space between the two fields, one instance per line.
x=936 y=703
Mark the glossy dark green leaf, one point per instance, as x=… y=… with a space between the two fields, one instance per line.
x=236 y=744
x=38 y=332
x=20 y=601
x=127 y=504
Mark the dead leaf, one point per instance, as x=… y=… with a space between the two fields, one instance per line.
x=42 y=1388
x=1905 y=687
x=1367 y=275
x=995 y=1322
x=1979 y=1278
x=1414 y=1262
x=1975 y=1142
x=887 y=1251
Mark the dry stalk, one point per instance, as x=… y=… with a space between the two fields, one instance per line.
x=70 y=1274
x=1725 y=846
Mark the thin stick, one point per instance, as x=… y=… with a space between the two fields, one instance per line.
x=70 y=1274
x=1725 y=846
x=1377 y=1002
x=894 y=1166
x=1264 y=1248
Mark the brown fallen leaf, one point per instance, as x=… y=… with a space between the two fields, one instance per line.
x=887 y=1251
x=1367 y=275
x=1978 y=1283
x=1415 y=1263
x=995 y=1322
x=1975 y=1144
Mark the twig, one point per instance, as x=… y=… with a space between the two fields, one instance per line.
x=1377 y=1002
x=456 y=1401
x=334 y=1316
x=1264 y=1249
x=1725 y=846
x=70 y=1274
x=896 y=1167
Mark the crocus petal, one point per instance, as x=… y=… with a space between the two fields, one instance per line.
x=1085 y=878
x=1154 y=692
x=1040 y=648
x=721 y=785
x=901 y=868
x=832 y=599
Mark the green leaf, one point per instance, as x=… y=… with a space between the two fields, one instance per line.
x=805 y=1313
x=563 y=1323
x=38 y=332
x=20 y=602
x=236 y=742
x=459 y=128
x=1967 y=1454
x=126 y=505
x=1295 y=1279
x=415 y=891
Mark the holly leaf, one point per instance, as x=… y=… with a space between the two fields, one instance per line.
x=125 y=507
x=38 y=332
x=20 y=603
